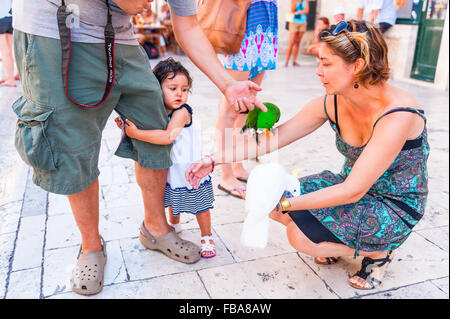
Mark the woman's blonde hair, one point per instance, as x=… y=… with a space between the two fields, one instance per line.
x=373 y=50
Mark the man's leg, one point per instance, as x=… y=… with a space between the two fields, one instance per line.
x=85 y=209
x=152 y=183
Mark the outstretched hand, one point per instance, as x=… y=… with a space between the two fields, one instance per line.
x=242 y=96
x=197 y=171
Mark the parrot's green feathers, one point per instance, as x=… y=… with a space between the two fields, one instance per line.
x=259 y=120
x=252 y=117
x=266 y=120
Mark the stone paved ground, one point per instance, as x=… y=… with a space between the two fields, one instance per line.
x=39 y=240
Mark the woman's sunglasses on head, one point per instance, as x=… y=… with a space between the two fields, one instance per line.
x=342 y=26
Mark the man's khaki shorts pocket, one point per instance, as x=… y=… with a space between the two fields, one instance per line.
x=30 y=140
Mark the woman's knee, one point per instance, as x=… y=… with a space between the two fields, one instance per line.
x=298 y=240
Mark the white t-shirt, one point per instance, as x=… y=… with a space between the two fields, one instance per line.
x=387 y=13
x=5 y=6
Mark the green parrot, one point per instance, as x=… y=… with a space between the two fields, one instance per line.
x=262 y=121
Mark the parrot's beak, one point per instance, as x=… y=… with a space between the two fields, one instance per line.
x=268 y=132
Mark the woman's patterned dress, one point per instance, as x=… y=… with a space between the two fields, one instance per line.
x=385 y=216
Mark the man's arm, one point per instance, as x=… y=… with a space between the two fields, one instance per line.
x=190 y=36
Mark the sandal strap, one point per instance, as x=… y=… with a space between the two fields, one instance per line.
x=364 y=274
x=208 y=247
x=332 y=260
x=373 y=281
x=206 y=238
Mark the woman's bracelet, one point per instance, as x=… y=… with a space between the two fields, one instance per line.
x=212 y=162
x=285 y=204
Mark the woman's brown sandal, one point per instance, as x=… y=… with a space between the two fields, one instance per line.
x=171 y=245
x=328 y=260
x=367 y=265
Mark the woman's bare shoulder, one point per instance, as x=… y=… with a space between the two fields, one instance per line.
x=403 y=98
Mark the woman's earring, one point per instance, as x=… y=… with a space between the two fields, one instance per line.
x=356 y=85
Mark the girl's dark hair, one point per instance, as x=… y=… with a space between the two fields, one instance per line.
x=374 y=50
x=169 y=68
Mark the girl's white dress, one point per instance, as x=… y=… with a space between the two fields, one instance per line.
x=179 y=193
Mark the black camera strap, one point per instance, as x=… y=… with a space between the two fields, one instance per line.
x=66 y=48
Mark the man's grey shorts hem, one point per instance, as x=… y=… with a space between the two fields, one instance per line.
x=161 y=164
x=63 y=189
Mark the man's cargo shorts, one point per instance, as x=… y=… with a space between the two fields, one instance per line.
x=60 y=139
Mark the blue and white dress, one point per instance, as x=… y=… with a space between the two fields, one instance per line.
x=179 y=193
x=259 y=48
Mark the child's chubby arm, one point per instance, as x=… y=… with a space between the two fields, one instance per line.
x=179 y=119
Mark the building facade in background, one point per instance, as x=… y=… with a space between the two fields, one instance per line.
x=418 y=42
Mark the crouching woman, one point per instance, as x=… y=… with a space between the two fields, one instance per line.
x=371 y=206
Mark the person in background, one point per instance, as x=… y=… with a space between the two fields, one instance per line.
x=381 y=12
x=322 y=24
x=146 y=17
x=339 y=14
x=258 y=54
x=149 y=17
x=297 y=28
x=6 y=45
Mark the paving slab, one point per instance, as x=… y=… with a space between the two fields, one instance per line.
x=30 y=240
x=25 y=284
x=277 y=244
x=284 y=276
x=442 y=284
x=164 y=287
x=438 y=236
x=6 y=255
x=60 y=262
x=143 y=263
x=424 y=290
x=9 y=217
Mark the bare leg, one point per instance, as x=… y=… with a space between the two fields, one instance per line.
x=225 y=136
x=85 y=209
x=7 y=59
x=298 y=39
x=204 y=222
x=173 y=219
x=289 y=48
x=152 y=183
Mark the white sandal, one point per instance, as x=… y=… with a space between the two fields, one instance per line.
x=207 y=247
x=178 y=228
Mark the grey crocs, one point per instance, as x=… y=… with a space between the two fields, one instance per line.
x=171 y=245
x=87 y=276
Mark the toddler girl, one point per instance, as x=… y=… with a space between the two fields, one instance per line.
x=180 y=197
